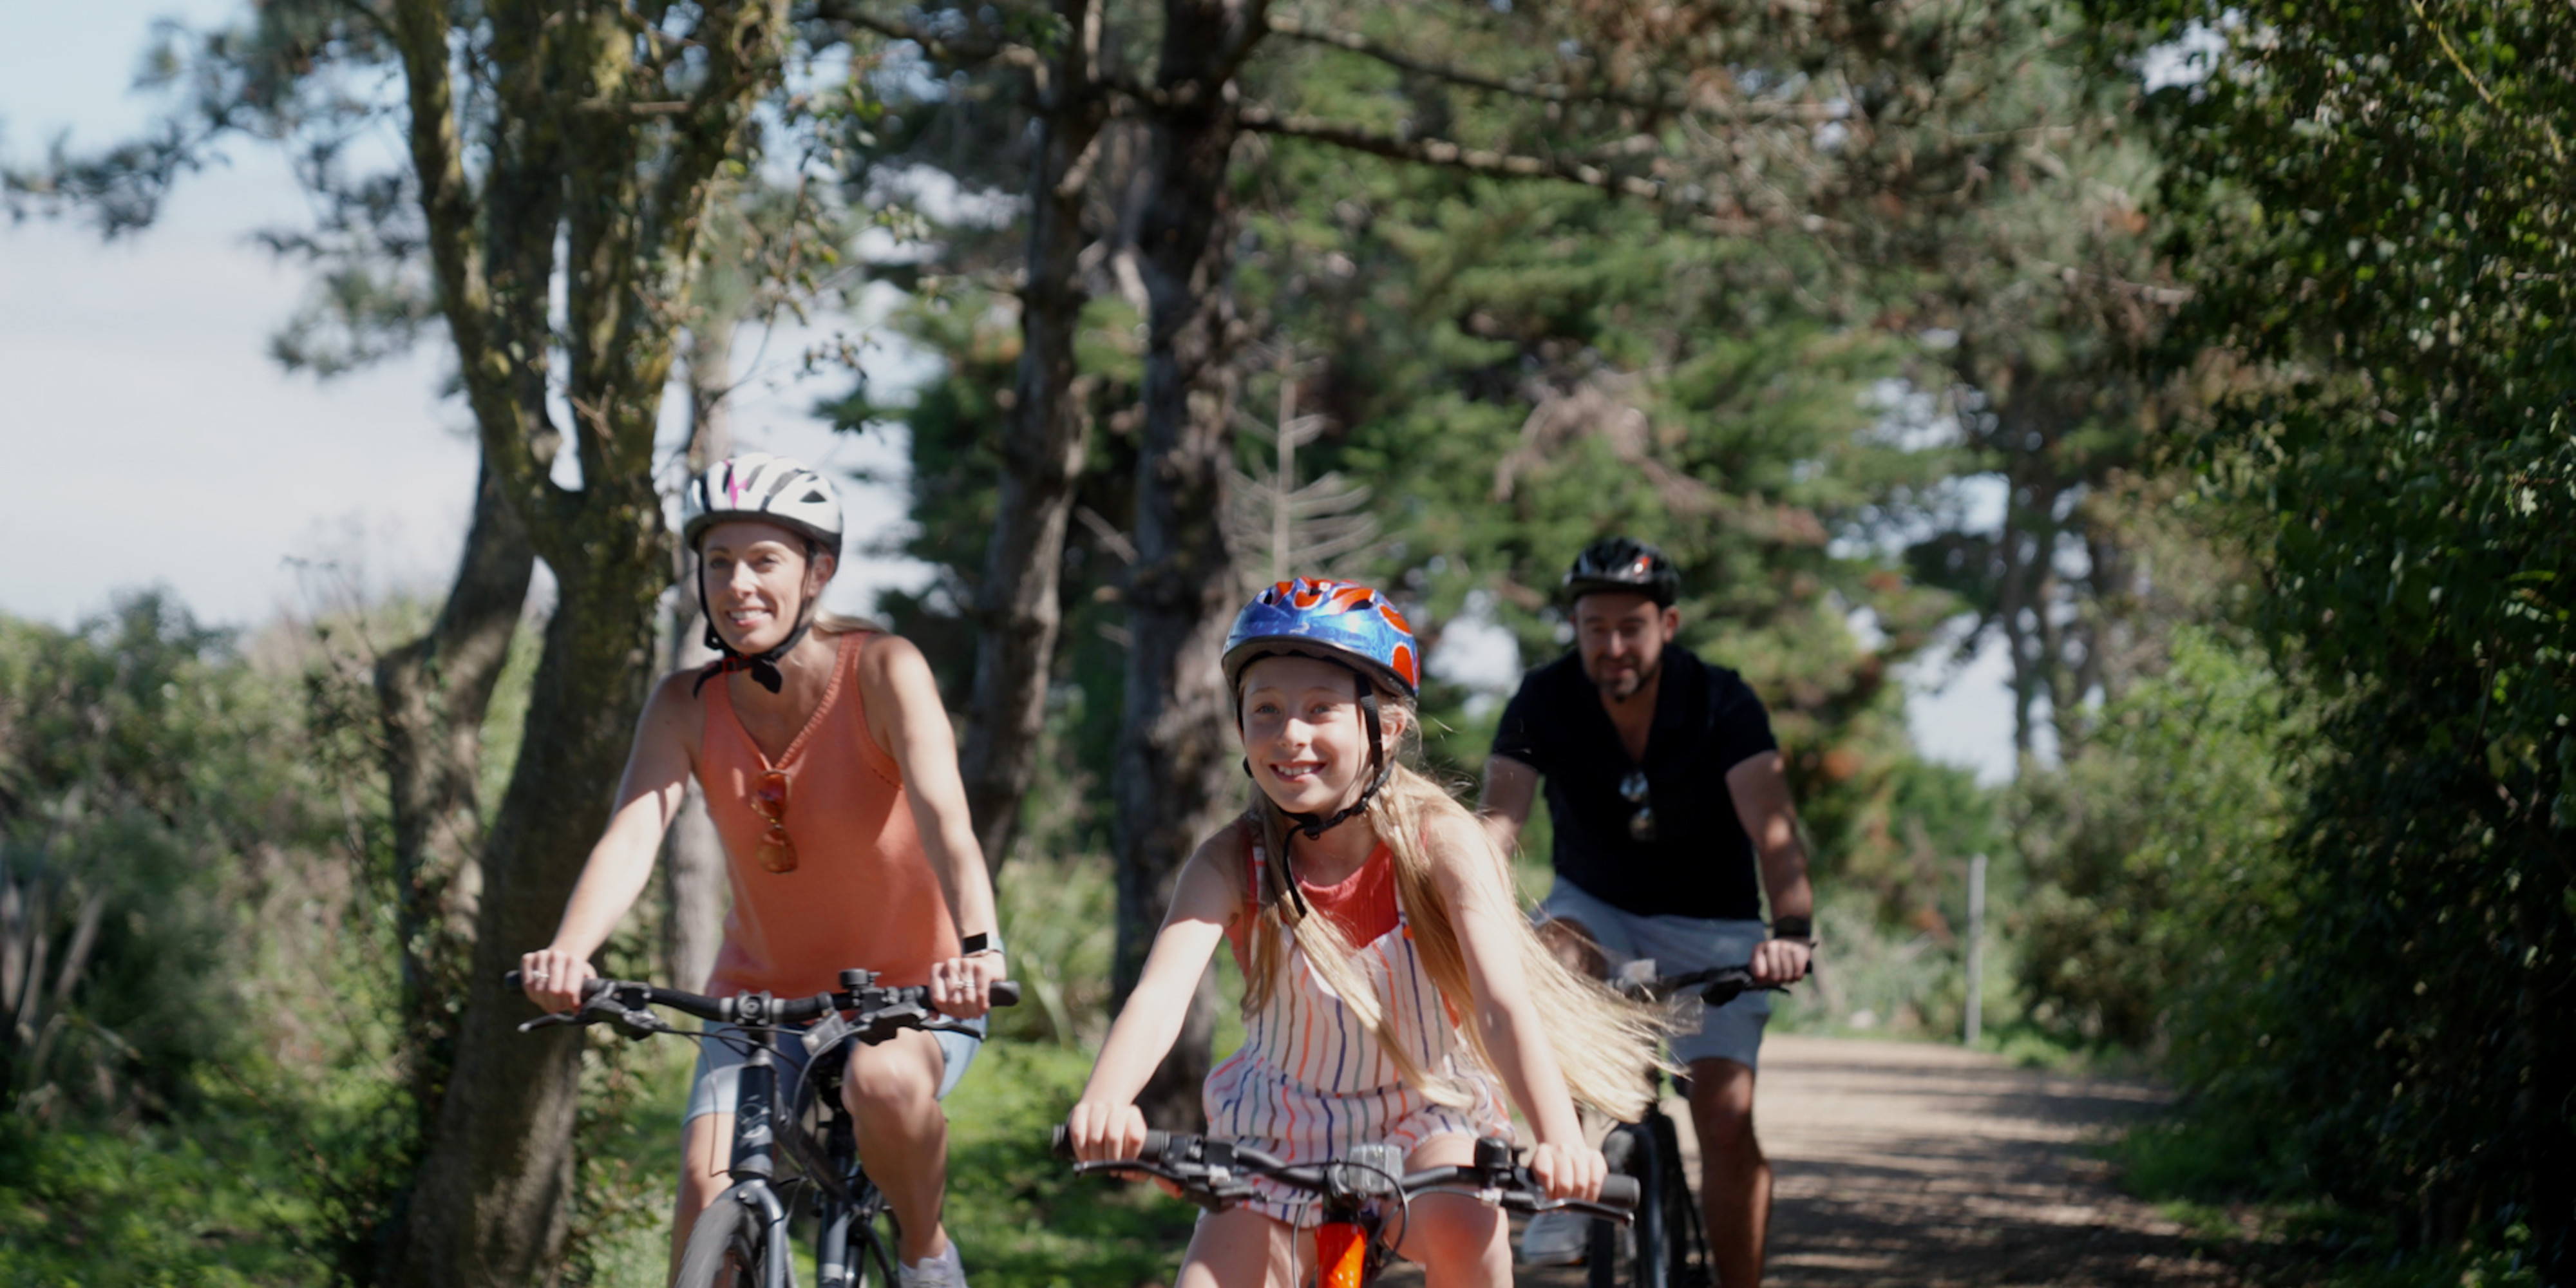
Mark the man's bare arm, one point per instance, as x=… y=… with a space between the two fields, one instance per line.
x=1510 y=786
x=1760 y=789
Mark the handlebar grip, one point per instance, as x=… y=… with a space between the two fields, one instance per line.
x=1060 y=1144
x=589 y=988
x=1619 y=1191
x=1005 y=992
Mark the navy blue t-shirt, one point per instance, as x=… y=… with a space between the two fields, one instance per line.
x=1707 y=721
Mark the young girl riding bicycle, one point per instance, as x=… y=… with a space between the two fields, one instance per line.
x=1394 y=993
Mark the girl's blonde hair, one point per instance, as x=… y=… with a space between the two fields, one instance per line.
x=1604 y=1043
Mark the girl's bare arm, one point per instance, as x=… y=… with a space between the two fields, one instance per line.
x=1105 y=1122
x=1482 y=909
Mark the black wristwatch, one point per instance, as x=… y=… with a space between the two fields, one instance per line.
x=979 y=942
x=1800 y=928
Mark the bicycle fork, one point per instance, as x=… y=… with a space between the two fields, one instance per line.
x=754 y=1167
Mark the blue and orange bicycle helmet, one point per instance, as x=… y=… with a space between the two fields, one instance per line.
x=1335 y=621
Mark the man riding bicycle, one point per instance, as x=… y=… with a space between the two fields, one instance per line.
x=1672 y=817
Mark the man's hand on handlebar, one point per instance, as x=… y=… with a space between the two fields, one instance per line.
x=1569 y=1171
x=552 y=978
x=1781 y=961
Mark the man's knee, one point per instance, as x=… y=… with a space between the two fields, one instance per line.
x=1572 y=943
x=1722 y=1106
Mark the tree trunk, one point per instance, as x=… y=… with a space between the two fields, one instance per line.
x=616 y=200
x=432 y=694
x=1173 y=758
x=491 y=1203
x=1016 y=608
x=693 y=860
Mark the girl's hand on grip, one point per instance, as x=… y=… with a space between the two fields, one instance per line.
x=1103 y=1131
x=1569 y=1172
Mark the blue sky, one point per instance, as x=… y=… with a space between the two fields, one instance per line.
x=139 y=387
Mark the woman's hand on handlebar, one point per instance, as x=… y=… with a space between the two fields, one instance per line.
x=1569 y=1171
x=962 y=987
x=552 y=978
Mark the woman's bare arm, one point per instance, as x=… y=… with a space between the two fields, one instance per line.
x=657 y=775
x=907 y=718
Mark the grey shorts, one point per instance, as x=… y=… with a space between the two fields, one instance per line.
x=714 y=1089
x=1676 y=945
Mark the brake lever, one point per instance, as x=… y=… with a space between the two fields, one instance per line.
x=552 y=1018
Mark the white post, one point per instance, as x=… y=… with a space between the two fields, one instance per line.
x=1976 y=946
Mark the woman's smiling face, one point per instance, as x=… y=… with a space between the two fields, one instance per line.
x=1303 y=734
x=757 y=581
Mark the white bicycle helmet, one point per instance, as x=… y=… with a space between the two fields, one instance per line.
x=772 y=489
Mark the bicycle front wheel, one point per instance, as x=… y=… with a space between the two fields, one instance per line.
x=724 y=1248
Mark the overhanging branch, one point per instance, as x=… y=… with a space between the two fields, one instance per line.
x=1543 y=90
x=939 y=48
x=1502 y=165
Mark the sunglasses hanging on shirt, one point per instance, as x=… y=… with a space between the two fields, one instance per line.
x=1641 y=823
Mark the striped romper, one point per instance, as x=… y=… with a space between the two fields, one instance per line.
x=1310 y=1080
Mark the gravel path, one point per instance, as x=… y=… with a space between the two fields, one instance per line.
x=1913 y=1164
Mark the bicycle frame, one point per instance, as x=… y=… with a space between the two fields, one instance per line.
x=753 y=1170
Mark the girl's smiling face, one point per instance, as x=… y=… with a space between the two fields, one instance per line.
x=1303 y=733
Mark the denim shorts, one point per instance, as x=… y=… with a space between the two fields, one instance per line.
x=715 y=1088
x=1676 y=946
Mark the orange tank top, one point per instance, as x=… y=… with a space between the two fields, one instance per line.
x=862 y=893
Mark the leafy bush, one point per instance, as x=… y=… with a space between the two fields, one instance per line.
x=2153 y=876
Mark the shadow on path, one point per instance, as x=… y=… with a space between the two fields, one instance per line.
x=1927 y=1166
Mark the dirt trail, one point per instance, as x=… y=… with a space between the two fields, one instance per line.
x=1932 y=1167
x=1909 y=1163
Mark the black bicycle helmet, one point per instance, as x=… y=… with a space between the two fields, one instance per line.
x=1621 y=563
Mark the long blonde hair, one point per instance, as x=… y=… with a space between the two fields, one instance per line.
x=1604 y=1043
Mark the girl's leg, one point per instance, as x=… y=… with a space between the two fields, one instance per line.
x=1243 y=1249
x=706 y=1149
x=892 y=1091
x=1459 y=1242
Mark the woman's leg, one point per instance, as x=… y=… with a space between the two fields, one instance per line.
x=706 y=1149
x=892 y=1091
x=1241 y=1248
x=1459 y=1241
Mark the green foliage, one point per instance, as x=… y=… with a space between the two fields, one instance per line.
x=143 y=770
x=2371 y=202
x=153 y=1207
x=2155 y=880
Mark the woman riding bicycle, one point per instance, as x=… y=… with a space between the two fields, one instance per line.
x=831 y=775
x=1394 y=993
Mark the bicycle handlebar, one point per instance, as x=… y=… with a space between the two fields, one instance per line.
x=1717 y=985
x=860 y=992
x=1205 y=1169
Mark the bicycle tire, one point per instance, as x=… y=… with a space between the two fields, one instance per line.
x=1631 y=1258
x=724 y=1249
x=1677 y=1215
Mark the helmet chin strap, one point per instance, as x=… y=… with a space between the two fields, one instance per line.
x=764 y=665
